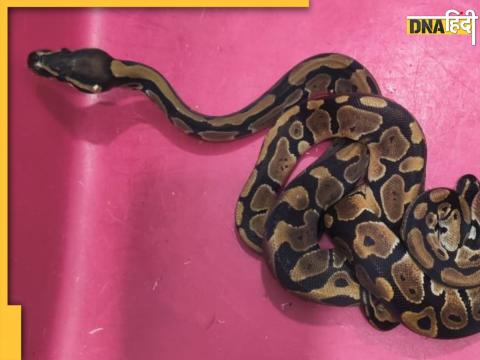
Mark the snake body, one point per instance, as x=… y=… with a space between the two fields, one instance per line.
x=404 y=255
x=431 y=278
x=390 y=134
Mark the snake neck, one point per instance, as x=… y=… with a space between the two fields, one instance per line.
x=255 y=117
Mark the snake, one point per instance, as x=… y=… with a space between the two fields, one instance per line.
x=404 y=254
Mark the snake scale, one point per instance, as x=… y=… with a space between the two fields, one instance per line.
x=405 y=255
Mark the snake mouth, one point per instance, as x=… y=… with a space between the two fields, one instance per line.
x=36 y=62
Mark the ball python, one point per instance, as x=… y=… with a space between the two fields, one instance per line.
x=421 y=272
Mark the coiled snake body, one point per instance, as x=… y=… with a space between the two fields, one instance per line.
x=404 y=255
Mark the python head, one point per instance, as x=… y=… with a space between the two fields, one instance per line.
x=87 y=69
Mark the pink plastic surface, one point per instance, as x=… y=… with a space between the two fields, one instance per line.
x=122 y=240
